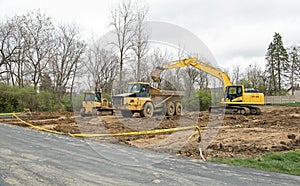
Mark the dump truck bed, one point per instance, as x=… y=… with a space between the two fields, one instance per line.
x=159 y=92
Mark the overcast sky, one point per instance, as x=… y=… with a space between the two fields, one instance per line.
x=236 y=32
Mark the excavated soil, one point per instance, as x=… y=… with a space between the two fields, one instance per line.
x=276 y=129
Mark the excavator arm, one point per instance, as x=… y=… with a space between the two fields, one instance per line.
x=205 y=67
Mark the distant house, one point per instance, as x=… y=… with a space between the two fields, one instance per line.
x=296 y=91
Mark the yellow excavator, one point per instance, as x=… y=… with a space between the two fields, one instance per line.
x=236 y=100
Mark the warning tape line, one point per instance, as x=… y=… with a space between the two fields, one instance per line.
x=10 y=114
x=116 y=134
x=136 y=133
x=197 y=130
x=37 y=127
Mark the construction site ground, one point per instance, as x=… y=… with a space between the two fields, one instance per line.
x=276 y=129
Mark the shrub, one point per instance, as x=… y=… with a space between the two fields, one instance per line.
x=15 y=99
x=204 y=98
x=199 y=100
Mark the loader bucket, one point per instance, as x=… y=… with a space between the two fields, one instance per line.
x=155 y=74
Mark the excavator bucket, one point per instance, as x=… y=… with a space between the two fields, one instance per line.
x=155 y=74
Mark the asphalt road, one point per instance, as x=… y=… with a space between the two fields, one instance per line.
x=30 y=157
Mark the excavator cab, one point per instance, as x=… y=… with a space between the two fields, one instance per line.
x=234 y=93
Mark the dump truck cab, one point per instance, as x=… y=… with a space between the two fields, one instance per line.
x=133 y=101
x=140 y=89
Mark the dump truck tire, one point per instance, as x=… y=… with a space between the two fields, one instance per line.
x=170 y=109
x=148 y=110
x=126 y=113
x=95 y=112
x=178 y=109
x=82 y=111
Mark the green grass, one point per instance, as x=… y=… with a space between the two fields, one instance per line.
x=297 y=104
x=283 y=162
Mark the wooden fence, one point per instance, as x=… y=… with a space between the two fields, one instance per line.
x=281 y=99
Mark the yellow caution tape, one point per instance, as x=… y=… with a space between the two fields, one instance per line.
x=136 y=133
x=197 y=130
x=37 y=127
x=10 y=114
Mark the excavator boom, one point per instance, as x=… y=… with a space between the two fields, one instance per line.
x=205 y=67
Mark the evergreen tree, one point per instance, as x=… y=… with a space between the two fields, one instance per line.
x=270 y=70
x=46 y=83
x=293 y=71
x=277 y=65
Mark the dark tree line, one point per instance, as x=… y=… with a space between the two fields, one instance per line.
x=277 y=64
x=281 y=72
x=35 y=52
x=282 y=68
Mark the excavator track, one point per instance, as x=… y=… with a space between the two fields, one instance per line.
x=254 y=110
x=242 y=110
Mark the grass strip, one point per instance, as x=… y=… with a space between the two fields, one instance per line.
x=283 y=162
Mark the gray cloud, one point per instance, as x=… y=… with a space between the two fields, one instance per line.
x=234 y=28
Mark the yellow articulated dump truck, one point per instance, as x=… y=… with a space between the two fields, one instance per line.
x=93 y=104
x=146 y=100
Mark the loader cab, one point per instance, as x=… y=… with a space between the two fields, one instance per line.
x=93 y=103
x=92 y=96
x=140 y=89
x=91 y=99
x=234 y=93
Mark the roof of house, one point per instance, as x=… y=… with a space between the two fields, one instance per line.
x=295 y=88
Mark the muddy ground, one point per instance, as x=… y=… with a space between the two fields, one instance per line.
x=276 y=129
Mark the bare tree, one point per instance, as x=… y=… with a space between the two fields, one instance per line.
x=158 y=58
x=140 y=36
x=253 y=74
x=37 y=30
x=194 y=78
x=202 y=80
x=190 y=79
x=179 y=73
x=25 y=47
x=151 y=61
x=7 y=49
x=66 y=59
x=20 y=75
x=236 y=74
x=122 y=21
x=292 y=71
x=102 y=65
